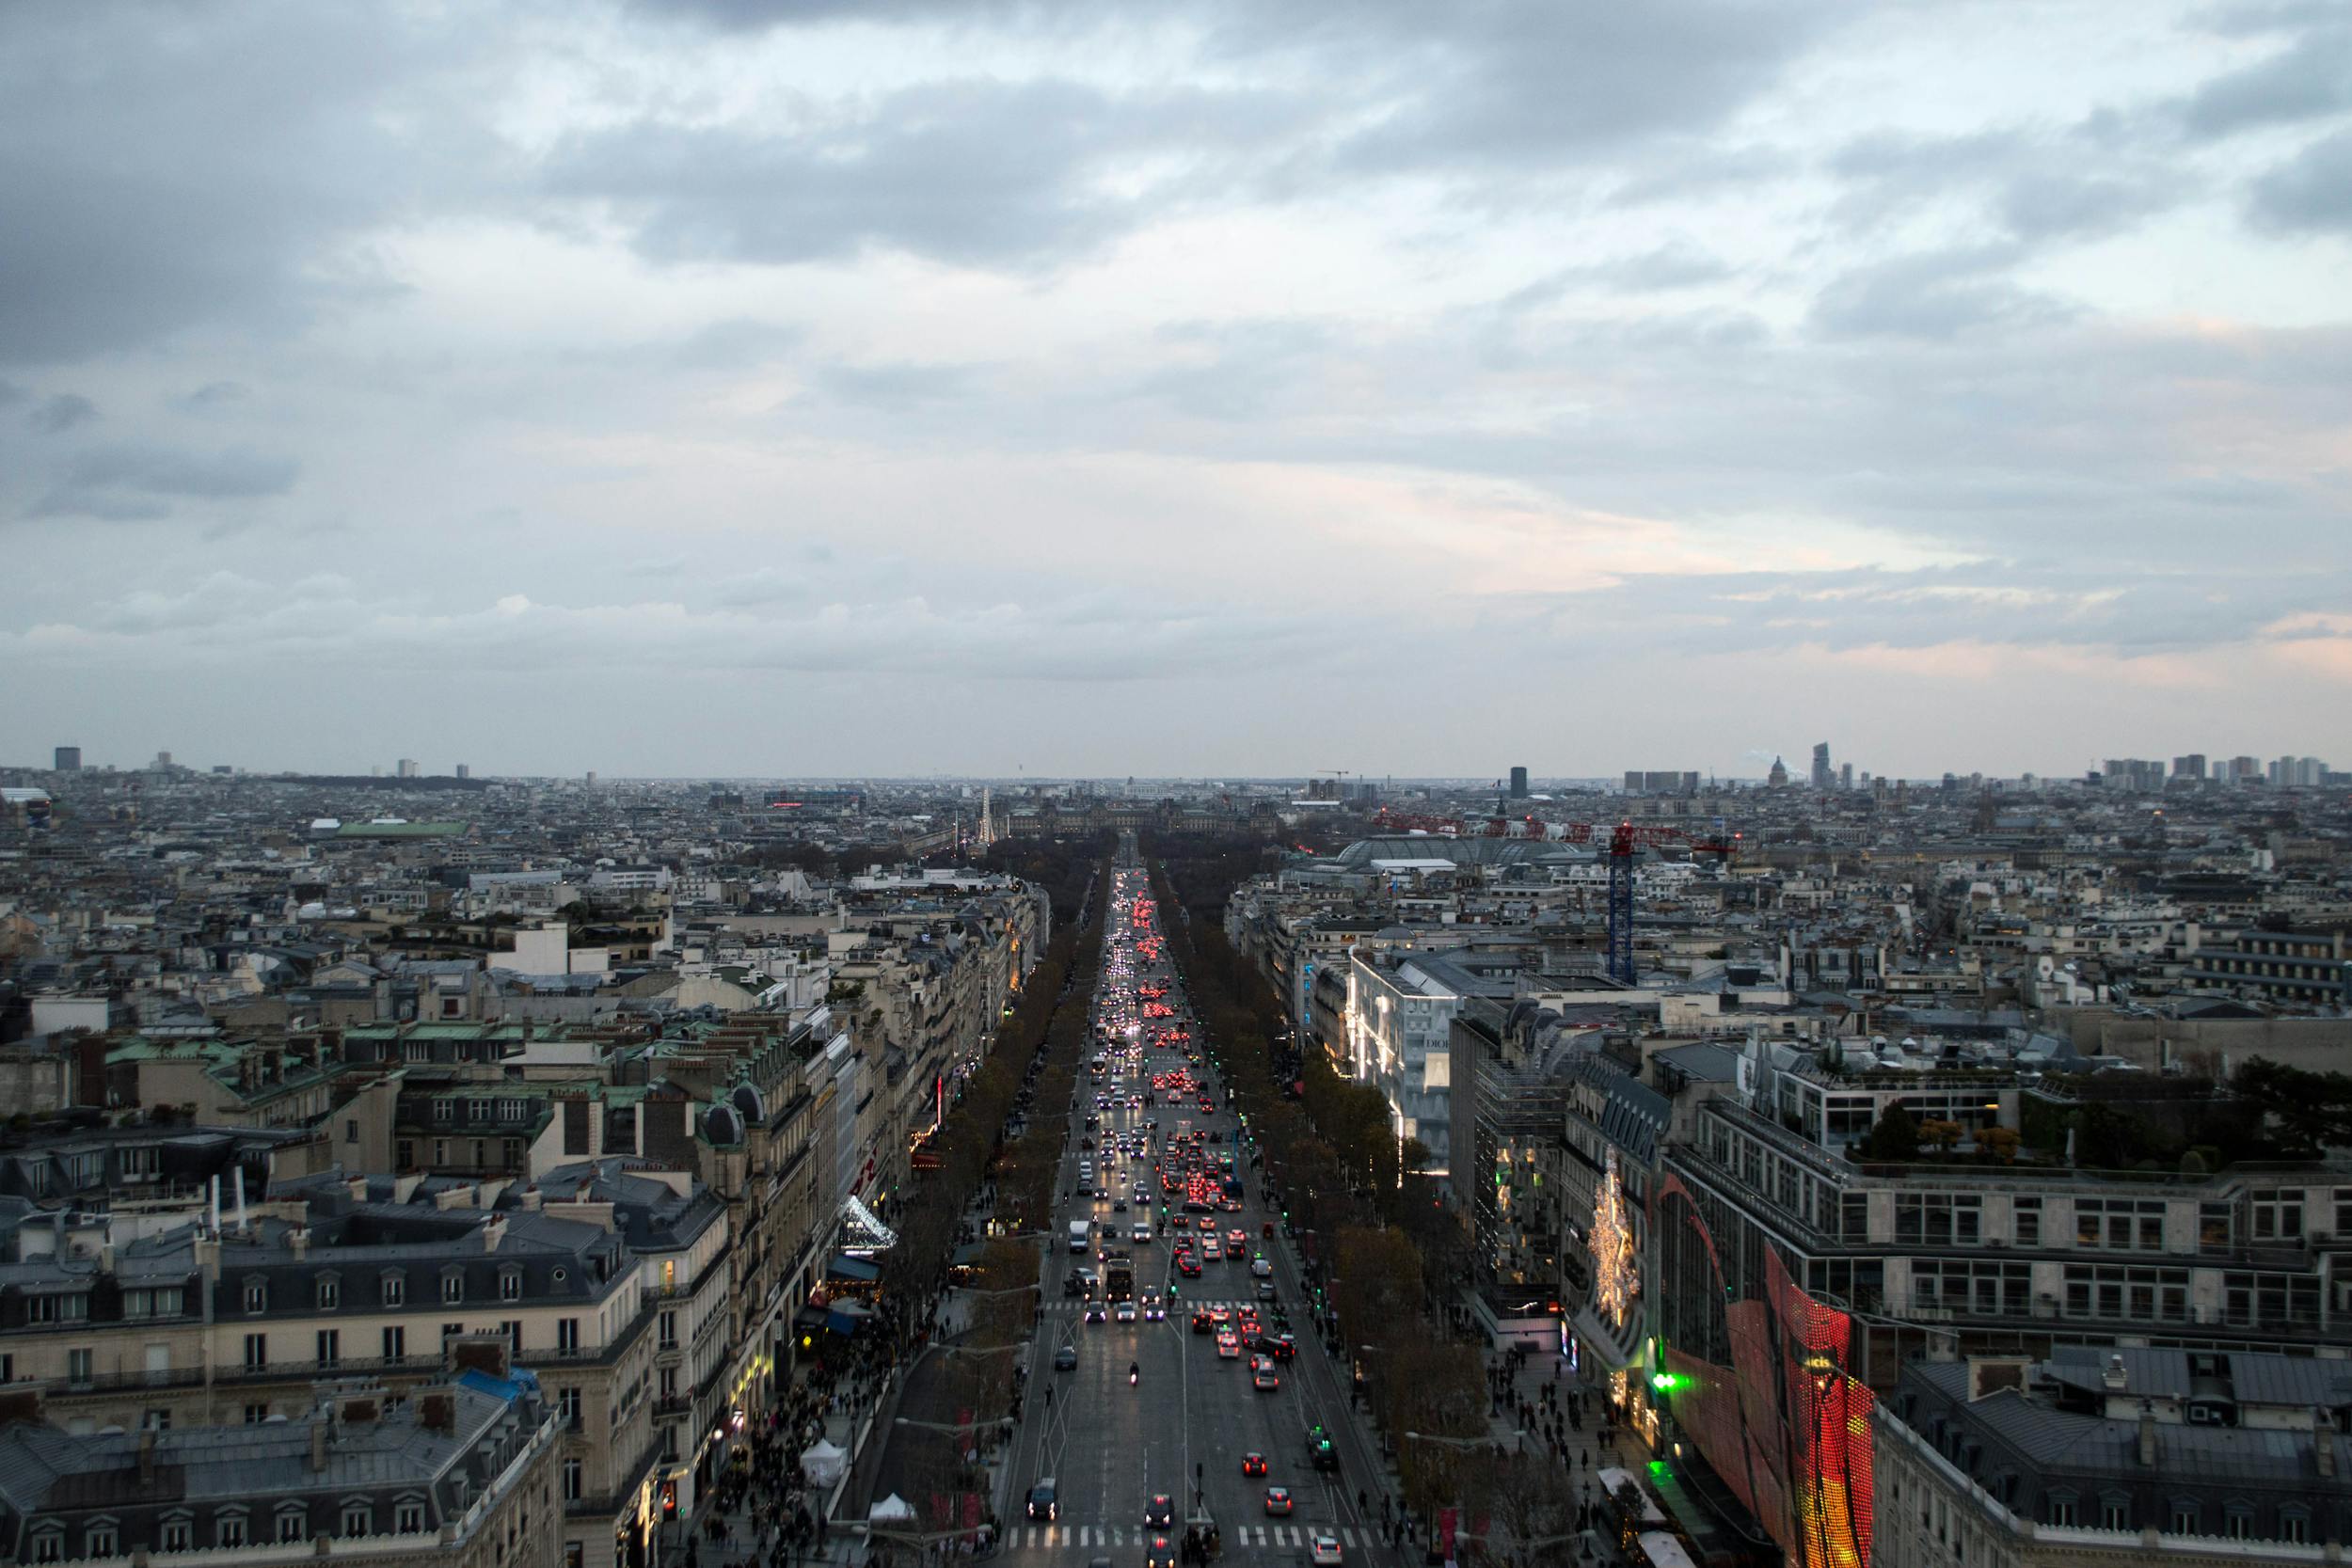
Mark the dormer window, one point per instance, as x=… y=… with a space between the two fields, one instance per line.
x=330 y=1293
x=452 y=1287
x=292 y=1524
x=256 y=1295
x=395 y=1289
x=510 y=1284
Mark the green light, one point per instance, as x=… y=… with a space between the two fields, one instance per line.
x=1665 y=1382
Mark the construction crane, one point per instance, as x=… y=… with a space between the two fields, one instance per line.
x=1625 y=837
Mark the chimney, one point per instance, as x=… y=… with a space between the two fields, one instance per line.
x=493 y=1233
x=318 y=1440
x=147 y=1457
x=106 y=1257
x=2147 y=1435
x=299 y=1239
x=2115 y=1377
x=359 y=1185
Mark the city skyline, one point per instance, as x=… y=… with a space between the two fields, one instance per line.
x=669 y=389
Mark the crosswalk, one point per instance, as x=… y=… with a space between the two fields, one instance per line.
x=1057 y=1537
x=1183 y=1307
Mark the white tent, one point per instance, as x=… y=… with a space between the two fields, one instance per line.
x=823 y=1462
x=891 y=1509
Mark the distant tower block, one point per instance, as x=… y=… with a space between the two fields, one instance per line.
x=1519 y=784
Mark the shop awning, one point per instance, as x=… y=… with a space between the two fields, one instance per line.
x=853 y=1268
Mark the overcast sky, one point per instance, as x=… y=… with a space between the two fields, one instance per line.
x=809 y=386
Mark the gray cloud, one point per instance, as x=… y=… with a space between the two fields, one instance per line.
x=2312 y=191
x=898 y=386
x=137 y=484
x=975 y=171
x=216 y=394
x=2310 y=78
x=62 y=413
x=1930 y=294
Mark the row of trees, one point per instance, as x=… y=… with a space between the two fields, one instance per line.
x=1381 y=1241
x=969 y=1145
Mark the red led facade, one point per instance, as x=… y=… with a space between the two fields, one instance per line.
x=1785 y=1424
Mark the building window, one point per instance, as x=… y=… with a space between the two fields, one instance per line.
x=330 y=1346
x=568 y=1402
x=255 y=1414
x=2186 y=1518
x=156 y=1421
x=175 y=1535
x=49 y=1545
x=513 y=1329
x=395 y=1289
x=2295 y=1527
x=571 y=1481
x=291 y=1527
x=2115 y=1514
x=567 y=1335
x=330 y=1294
x=2028 y=1216
x=395 y=1343
x=668 y=1330
x=510 y=1285
x=2240 y=1525
x=57 y=1309
x=358 y=1521
x=453 y=1289
x=409 y=1518
x=256 y=1352
x=2062 y=1506
x=351 y=1131
x=100 y=1540
x=229 y=1530
x=77 y=1366
x=2279 y=1216
x=405 y=1153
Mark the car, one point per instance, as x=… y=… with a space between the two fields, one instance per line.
x=1096 y=1311
x=1265 y=1290
x=1323 y=1549
x=1042 y=1503
x=1187 y=1265
x=1221 y=1315
x=1261 y=1268
x=1140 y=1233
x=1119 y=1205
x=1160 y=1510
x=1201 y=1321
x=1125 y=1311
x=1253 y=1463
x=1236 y=1242
x=1066 y=1358
x=1159 y=1553
x=1277 y=1499
x=1321 y=1451
x=1229 y=1345
x=1264 y=1379
x=1153 y=1311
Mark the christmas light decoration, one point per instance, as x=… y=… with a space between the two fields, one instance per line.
x=1616 y=1270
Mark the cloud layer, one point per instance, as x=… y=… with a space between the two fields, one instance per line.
x=1194 y=388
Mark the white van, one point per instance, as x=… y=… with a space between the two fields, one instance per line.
x=1079 y=1231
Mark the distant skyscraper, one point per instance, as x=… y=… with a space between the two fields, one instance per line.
x=1821 y=775
x=1845 y=775
x=163 y=760
x=69 y=759
x=591 y=779
x=463 y=771
x=1519 y=784
x=407 y=767
x=2190 y=766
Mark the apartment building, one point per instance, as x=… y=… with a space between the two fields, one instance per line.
x=2113 y=1457
x=458 y=1473
x=364 y=1276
